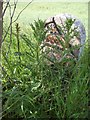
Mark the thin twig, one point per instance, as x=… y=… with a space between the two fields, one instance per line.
x=5 y=8
x=56 y=26
x=11 y=17
x=22 y=11
x=16 y=18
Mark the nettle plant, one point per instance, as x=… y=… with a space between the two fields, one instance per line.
x=58 y=47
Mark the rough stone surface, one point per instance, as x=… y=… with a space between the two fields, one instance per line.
x=53 y=35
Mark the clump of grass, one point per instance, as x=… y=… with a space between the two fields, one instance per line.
x=34 y=89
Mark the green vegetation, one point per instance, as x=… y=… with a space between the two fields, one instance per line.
x=34 y=89
x=44 y=10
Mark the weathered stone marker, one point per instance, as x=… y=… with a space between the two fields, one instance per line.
x=63 y=31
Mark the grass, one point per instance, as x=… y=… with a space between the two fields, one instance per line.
x=44 y=10
x=31 y=88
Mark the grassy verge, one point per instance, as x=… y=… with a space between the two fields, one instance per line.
x=44 y=10
x=33 y=89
